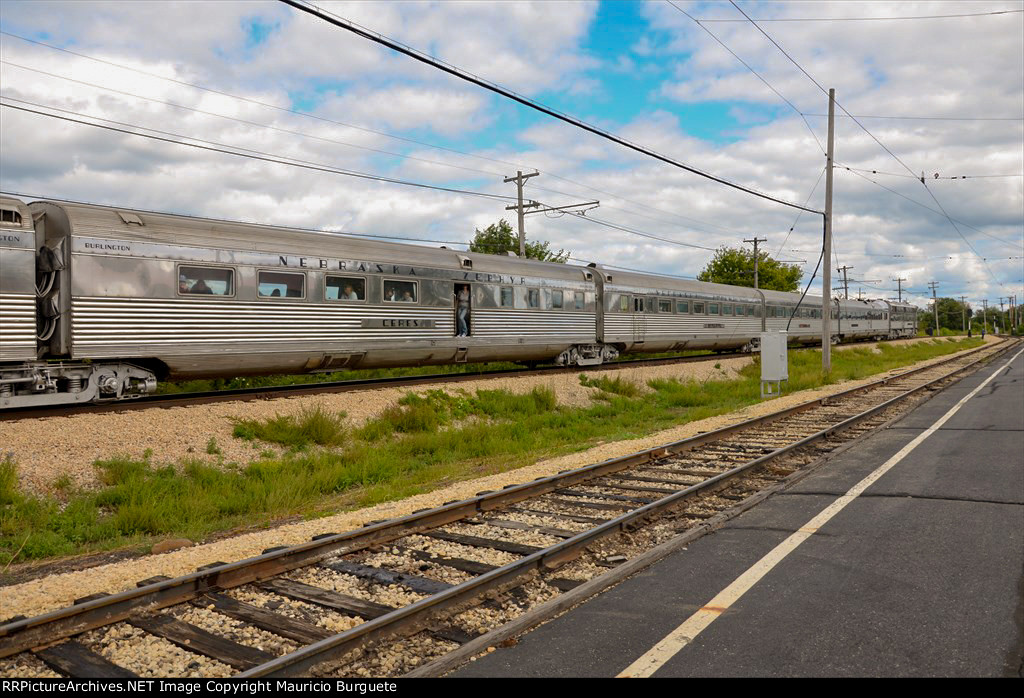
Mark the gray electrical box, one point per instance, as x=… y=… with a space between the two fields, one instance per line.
x=774 y=362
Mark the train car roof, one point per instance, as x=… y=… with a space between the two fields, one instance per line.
x=789 y=297
x=8 y=203
x=654 y=282
x=149 y=226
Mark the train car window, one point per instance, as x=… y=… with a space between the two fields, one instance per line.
x=345 y=288
x=624 y=303
x=580 y=300
x=206 y=281
x=556 y=299
x=726 y=309
x=507 y=297
x=698 y=308
x=533 y=298
x=275 y=284
x=683 y=306
x=400 y=292
x=665 y=306
x=9 y=215
x=713 y=309
x=638 y=305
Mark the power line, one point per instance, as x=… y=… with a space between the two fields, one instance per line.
x=361 y=128
x=929 y=208
x=872 y=19
x=797 y=219
x=253 y=123
x=376 y=37
x=213 y=146
x=873 y=137
x=268 y=157
x=935 y=176
x=924 y=118
x=758 y=75
x=257 y=102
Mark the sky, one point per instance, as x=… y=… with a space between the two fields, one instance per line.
x=929 y=94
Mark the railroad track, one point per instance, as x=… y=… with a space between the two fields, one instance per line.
x=301 y=389
x=419 y=594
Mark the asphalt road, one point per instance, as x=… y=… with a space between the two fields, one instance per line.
x=920 y=575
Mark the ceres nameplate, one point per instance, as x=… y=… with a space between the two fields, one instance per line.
x=400 y=323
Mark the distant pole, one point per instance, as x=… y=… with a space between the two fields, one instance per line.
x=826 y=281
x=520 y=208
x=846 y=283
x=755 y=241
x=963 y=311
x=935 y=306
x=984 y=316
x=899 y=287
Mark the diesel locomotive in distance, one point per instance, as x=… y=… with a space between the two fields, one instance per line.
x=98 y=304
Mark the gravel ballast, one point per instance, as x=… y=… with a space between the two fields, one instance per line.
x=56 y=591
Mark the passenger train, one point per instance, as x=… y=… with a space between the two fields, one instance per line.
x=99 y=303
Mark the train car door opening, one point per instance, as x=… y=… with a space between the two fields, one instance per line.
x=463 y=295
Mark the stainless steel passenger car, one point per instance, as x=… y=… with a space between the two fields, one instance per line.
x=17 y=282
x=99 y=303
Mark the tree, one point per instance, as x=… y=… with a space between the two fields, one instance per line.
x=499 y=238
x=951 y=316
x=735 y=266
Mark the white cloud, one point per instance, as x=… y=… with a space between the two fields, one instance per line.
x=969 y=67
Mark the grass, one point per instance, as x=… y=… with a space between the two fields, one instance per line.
x=424 y=442
x=313 y=425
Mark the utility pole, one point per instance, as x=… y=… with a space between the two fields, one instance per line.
x=1001 y=314
x=520 y=208
x=935 y=306
x=756 y=258
x=899 y=288
x=846 y=283
x=963 y=311
x=826 y=281
x=984 y=317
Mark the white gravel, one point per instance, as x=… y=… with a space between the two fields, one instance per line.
x=150 y=656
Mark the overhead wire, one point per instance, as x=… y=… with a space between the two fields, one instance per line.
x=385 y=134
x=756 y=74
x=870 y=19
x=252 y=123
x=417 y=55
x=871 y=135
x=286 y=160
x=236 y=151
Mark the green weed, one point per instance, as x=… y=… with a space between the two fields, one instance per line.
x=425 y=442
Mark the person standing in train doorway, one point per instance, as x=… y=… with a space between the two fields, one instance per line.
x=462 y=310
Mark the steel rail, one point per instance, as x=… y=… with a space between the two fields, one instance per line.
x=300 y=389
x=26 y=633
x=420 y=613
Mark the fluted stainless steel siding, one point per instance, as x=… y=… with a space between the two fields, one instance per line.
x=551 y=326
x=17 y=326
x=667 y=325
x=108 y=327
